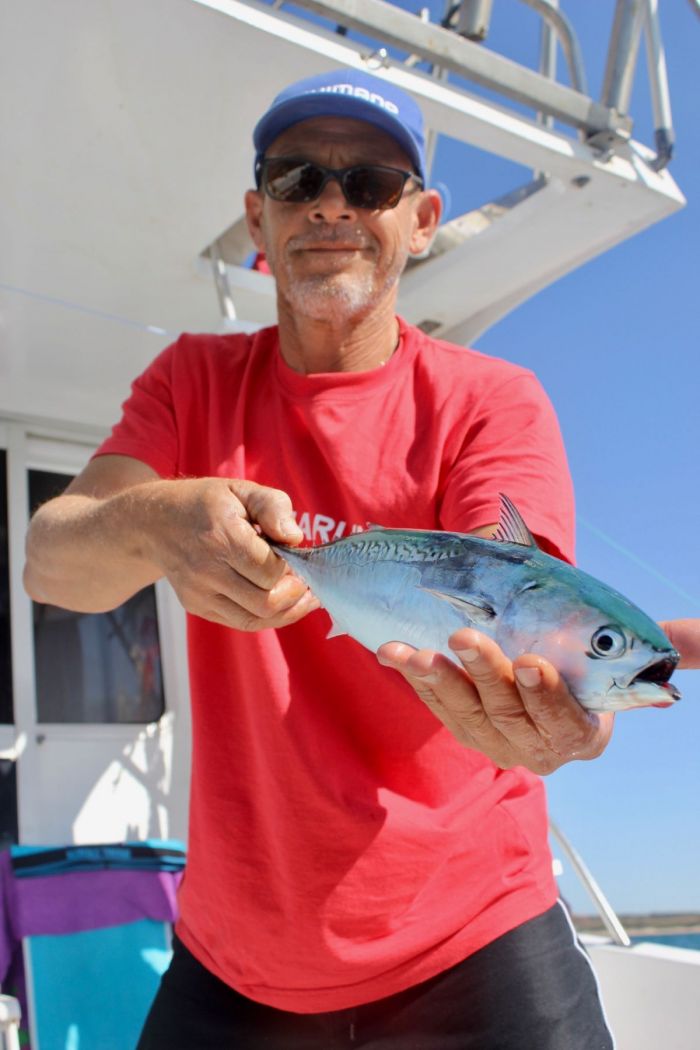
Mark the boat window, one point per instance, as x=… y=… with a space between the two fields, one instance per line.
x=95 y=667
x=6 y=709
x=9 y=832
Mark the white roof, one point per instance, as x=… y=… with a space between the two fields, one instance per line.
x=126 y=131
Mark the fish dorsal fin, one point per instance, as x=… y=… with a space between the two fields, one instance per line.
x=511 y=527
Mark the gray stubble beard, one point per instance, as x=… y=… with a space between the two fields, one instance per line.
x=324 y=296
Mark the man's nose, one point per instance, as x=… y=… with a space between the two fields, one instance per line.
x=331 y=205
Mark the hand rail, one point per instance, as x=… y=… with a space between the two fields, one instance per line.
x=603 y=906
x=632 y=17
x=660 y=98
x=561 y=26
x=444 y=48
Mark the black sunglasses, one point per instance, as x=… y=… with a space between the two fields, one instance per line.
x=297 y=181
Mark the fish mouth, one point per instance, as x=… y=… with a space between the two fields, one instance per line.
x=650 y=686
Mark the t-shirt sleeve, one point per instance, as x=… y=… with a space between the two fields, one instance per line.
x=147 y=429
x=512 y=444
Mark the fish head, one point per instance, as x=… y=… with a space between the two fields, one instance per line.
x=611 y=654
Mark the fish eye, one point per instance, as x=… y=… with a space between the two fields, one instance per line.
x=608 y=641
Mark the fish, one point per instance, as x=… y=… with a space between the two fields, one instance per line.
x=419 y=586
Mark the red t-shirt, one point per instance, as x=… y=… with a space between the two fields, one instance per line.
x=343 y=845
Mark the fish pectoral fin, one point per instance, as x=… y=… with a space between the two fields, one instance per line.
x=336 y=630
x=472 y=605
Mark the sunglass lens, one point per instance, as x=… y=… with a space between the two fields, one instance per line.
x=373 y=187
x=298 y=181
x=292 y=180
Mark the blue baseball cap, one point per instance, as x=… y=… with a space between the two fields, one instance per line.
x=346 y=93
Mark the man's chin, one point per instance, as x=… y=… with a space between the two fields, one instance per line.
x=337 y=296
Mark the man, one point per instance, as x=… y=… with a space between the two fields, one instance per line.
x=358 y=873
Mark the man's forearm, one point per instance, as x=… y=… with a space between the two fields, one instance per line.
x=88 y=554
x=118 y=527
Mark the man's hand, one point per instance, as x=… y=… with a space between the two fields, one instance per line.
x=119 y=527
x=203 y=534
x=518 y=714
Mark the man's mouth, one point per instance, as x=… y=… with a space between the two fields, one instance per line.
x=334 y=247
x=324 y=240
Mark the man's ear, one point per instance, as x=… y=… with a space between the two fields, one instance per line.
x=253 y=216
x=426 y=221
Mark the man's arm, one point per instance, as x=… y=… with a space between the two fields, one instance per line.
x=119 y=527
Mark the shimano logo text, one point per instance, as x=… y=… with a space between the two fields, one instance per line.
x=360 y=92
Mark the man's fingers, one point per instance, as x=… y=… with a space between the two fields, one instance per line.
x=244 y=551
x=442 y=687
x=684 y=635
x=519 y=713
x=569 y=730
x=492 y=674
x=530 y=703
x=221 y=609
x=271 y=509
x=257 y=602
x=263 y=603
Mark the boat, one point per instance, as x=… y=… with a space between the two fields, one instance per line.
x=121 y=228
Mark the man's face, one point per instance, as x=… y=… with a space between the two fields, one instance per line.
x=327 y=255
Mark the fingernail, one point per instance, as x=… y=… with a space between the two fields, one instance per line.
x=288 y=591
x=468 y=655
x=528 y=677
x=289 y=528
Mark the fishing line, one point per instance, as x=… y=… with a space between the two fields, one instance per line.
x=695 y=602
x=54 y=301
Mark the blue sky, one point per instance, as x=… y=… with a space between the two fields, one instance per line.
x=616 y=346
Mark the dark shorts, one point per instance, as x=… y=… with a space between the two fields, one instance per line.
x=532 y=989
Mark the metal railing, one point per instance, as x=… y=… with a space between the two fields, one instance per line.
x=632 y=18
x=455 y=46
x=603 y=906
